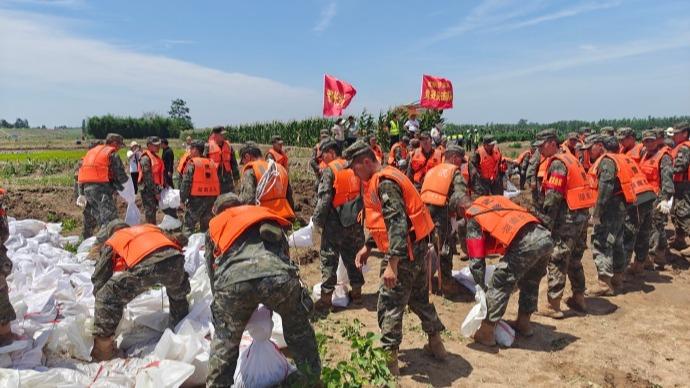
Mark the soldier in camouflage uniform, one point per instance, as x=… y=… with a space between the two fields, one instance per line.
x=99 y=196
x=89 y=221
x=254 y=268
x=567 y=229
x=197 y=208
x=7 y=313
x=315 y=161
x=445 y=238
x=607 y=218
x=342 y=235
x=227 y=168
x=534 y=181
x=249 y=153
x=114 y=287
x=150 y=190
x=404 y=278
x=680 y=215
x=523 y=264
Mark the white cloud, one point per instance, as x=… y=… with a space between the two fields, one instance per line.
x=57 y=78
x=327 y=15
x=564 y=13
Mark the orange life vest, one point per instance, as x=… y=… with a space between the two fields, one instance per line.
x=683 y=176
x=522 y=156
x=157 y=169
x=574 y=186
x=624 y=175
x=275 y=198
x=500 y=219
x=541 y=171
x=437 y=184
x=635 y=153
x=183 y=162
x=346 y=184
x=418 y=214
x=205 y=182
x=566 y=147
x=221 y=156
x=391 y=153
x=489 y=165
x=226 y=227
x=639 y=180
x=420 y=164
x=280 y=157
x=378 y=153
x=95 y=167
x=650 y=166
x=132 y=245
x=586 y=159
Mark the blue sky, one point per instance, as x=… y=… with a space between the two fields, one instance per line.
x=63 y=60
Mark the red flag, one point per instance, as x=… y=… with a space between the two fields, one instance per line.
x=437 y=93
x=337 y=95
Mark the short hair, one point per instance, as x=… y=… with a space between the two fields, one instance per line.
x=368 y=153
x=250 y=149
x=217 y=129
x=164 y=141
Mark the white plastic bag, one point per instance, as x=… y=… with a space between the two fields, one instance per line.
x=169 y=223
x=476 y=315
x=505 y=335
x=170 y=199
x=339 y=298
x=133 y=215
x=464 y=277
x=127 y=193
x=302 y=238
x=261 y=364
x=511 y=191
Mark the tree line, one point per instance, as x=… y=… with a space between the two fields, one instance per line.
x=19 y=123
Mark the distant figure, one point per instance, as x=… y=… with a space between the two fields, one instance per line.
x=168 y=162
x=133 y=156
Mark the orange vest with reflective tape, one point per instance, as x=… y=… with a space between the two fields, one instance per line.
x=420 y=164
x=501 y=219
x=391 y=153
x=205 y=182
x=578 y=192
x=639 y=180
x=650 y=166
x=221 y=156
x=132 y=245
x=635 y=153
x=95 y=167
x=437 y=184
x=275 y=198
x=346 y=185
x=624 y=174
x=183 y=162
x=681 y=177
x=157 y=169
x=489 y=165
x=279 y=157
x=523 y=155
x=227 y=226
x=418 y=214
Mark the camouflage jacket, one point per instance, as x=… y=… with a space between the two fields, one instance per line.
x=609 y=186
x=147 y=177
x=325 y=213
x=555 y=213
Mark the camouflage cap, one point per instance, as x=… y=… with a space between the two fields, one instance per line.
x=225 y=201
x=198 y=144
x=608 y=131
x=110 y=228
x=114 y=138
x=659 y=132
x=624 y=132
x=593 y=139
x=572 y=136
x=680 y=127
x=328 y=144
x=649 y=135
x=544 y=136
x=155 y=140
x=405 y=139
x=356 y=149
x=488 y=139
x=455 y=149
x=249 y=147
x=425 y=135
x=584 y=130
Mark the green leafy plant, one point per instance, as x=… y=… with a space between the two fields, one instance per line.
x=69 y=247
x=69 y=224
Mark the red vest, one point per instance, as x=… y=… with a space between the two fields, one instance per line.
x=95 y=167
x=205 y=182
x=157 y=169
x=227 y=226
x=132 y=245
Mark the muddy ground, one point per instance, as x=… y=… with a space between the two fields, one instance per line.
x=640 y=338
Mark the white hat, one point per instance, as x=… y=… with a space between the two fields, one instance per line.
x=133 y=144
x=669 y=131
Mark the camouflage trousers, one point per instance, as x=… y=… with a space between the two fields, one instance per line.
x=411 y=289
x=658 y=243
x=7 y=313
x=150 y=205
x=570 y=243
x=124 y=286
x=524 y=264
x=446 y=246
x=233 y=305
x=637 y=229
x=227 y=185
x=89 y=221
x=487 y=187
x=337 y=241
x=680 y=214
x=99 y=197
x=607 y=239
x=197 y=211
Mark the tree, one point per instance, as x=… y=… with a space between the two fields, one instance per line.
x=19 y=123
x=179 y=112
x=5 y=124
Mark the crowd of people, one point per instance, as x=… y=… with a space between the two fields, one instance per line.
x=426 y=197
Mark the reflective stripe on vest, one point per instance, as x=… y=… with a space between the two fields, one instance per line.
x=279 y=157
x=578 y=192
x=205 y=182
x=221 y=156
x=651 y=168
x=183 y=162
x=95 y=167
x=132 y=245
x=489 y=164
x=391 y=154
x=500 y=218
x=227 y=226
x=420 y=164
x=437 y=184
x=346 y=185
x=157 y=169
x=275 y=198
x=418 y=214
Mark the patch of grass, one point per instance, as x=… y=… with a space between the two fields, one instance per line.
x=52 y=217
x=63 y=180
x=69 y=247
x=515 y=145
x=69 y=224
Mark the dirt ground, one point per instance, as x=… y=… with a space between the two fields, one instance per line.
x=637 y=339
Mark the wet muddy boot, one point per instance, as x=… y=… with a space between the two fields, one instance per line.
x=450 y=287
x=637 y=268
x=617 y=281
x=435 y=347
x=648 y=264
x=577 y=303
x=356 y=295
x=522 y=325
x=604 y=288
x=103 y=349
x=485 y=335
x=393 y=363
x=324 y=304
x=553 y=310
x=6 y=335
x=679 y=242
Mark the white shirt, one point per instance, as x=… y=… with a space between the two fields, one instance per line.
x=133 y=160
x=412 y=125
x=338 y=132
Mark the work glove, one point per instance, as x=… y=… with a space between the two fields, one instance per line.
x=664 y=207
x=81 y=201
